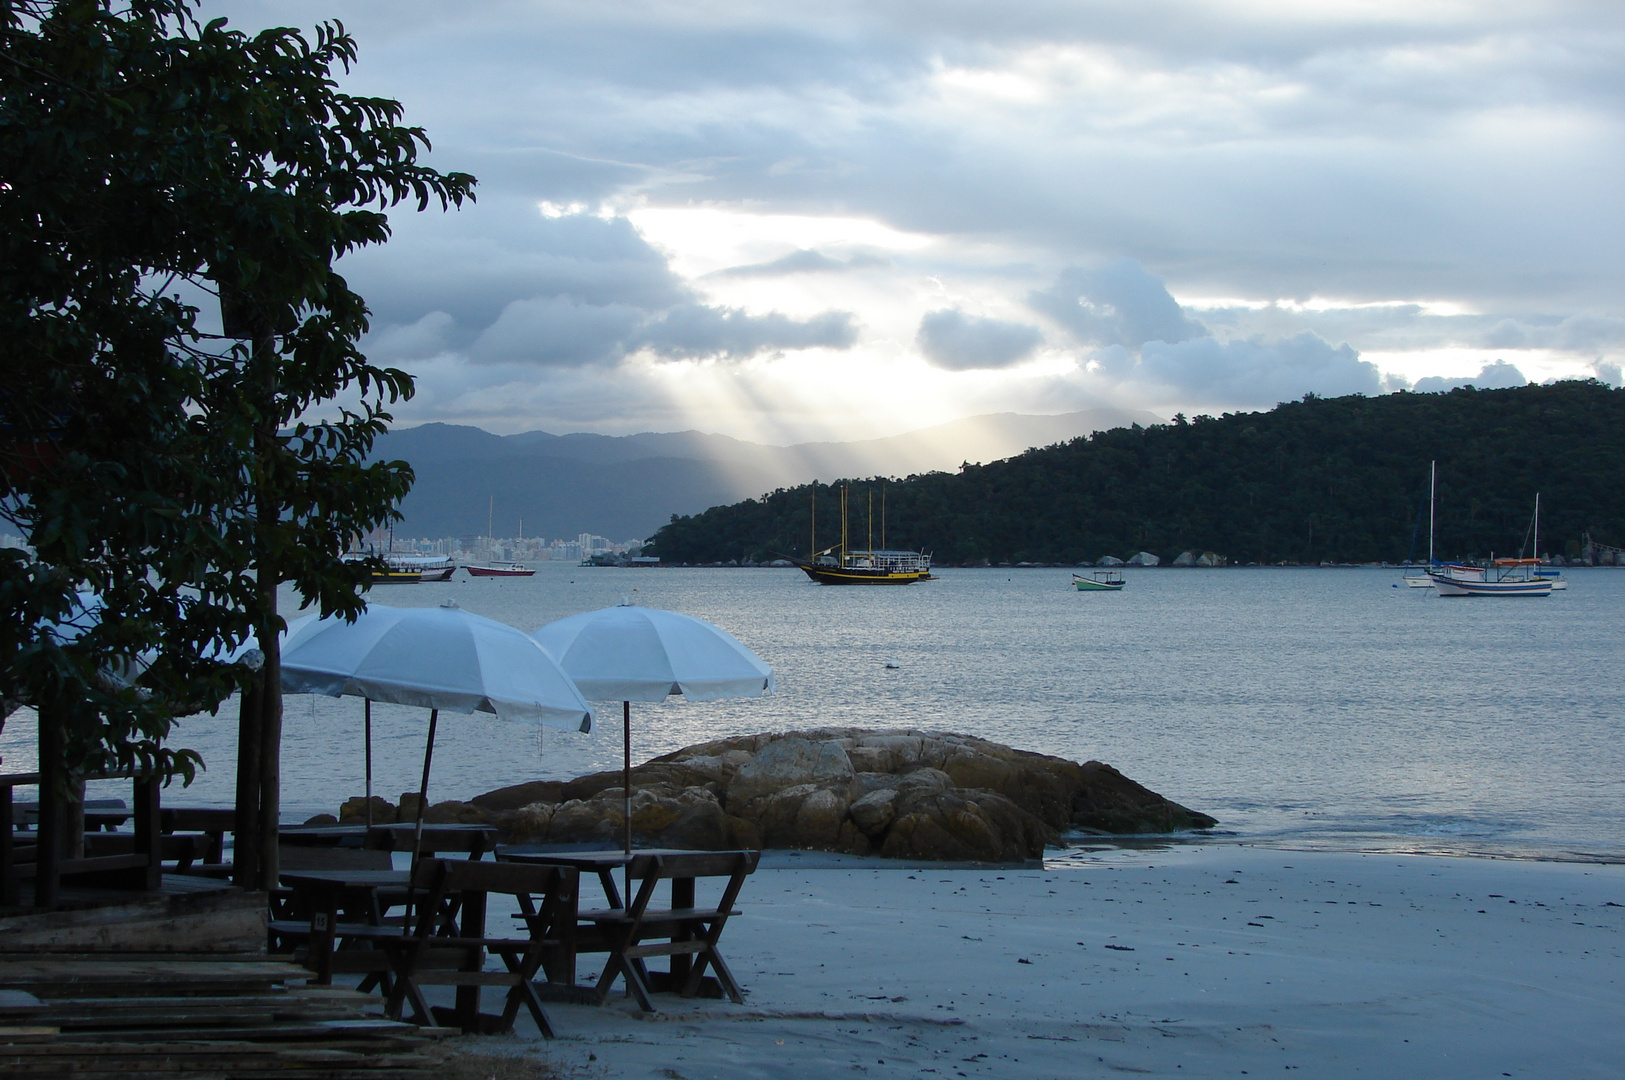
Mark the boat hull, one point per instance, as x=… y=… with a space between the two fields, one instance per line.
x=498 y=571
x=831 y=575
x=1450 y=586
x=1084 y=584
x=396 y=577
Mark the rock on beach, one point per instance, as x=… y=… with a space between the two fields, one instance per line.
x=901 y=794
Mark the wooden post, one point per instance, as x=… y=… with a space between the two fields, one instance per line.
x=148 y=830
x=8 y=864
x=48 y=855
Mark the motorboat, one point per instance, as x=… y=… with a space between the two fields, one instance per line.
x=500 y=569
x=1099 y=581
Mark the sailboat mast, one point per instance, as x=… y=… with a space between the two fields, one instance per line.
x=1537 y=526
x=1433 y=476
x=812 y=529
x=869 y=520
x=882 y=513
x=490 y=519
x=844 y=488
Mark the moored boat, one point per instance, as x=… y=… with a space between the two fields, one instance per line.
x=841 y=565
x=502 y=569
x=1099 y=581
x=1504 y=577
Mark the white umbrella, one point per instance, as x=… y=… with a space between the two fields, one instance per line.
x=435 y=658
x=628 y=653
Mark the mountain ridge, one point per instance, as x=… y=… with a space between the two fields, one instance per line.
x=626 y=486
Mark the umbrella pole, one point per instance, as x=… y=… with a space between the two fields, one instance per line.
x=369 y=764
x=626 y=784
x=417 y=832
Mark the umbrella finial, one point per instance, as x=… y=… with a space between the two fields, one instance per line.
x=626 y=601
x=449 y=603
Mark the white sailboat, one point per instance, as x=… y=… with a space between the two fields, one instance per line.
x=1422 y=578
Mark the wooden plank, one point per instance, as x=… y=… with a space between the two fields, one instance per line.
x=195 y=921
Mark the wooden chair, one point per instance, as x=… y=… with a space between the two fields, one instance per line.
x=428 y=958
x=685 y=931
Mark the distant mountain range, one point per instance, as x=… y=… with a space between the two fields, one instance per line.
x=628 y=486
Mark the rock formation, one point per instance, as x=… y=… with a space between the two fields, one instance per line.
x=901 y=794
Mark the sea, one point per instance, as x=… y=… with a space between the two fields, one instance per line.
x=1302 y=707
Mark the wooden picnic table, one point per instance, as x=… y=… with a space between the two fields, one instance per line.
x=687 y=928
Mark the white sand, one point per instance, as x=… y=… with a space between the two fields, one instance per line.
x=1201 y=961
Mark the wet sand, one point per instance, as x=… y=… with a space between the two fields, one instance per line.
x=1200 y=961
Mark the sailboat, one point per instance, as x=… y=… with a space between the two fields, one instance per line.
x=840 y=565
x=1423 y=579
x=498 y=569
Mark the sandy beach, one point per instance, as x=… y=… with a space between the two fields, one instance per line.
x=1210 y=960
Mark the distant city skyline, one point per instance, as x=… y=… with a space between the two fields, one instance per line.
x=790 y=223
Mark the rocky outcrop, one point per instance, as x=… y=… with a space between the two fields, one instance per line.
x=1145 y=558
x=901 y=794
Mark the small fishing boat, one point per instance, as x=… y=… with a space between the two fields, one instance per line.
x=1099 y=581
x=1503 y=577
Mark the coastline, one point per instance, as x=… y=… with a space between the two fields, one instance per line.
x=1190 y=960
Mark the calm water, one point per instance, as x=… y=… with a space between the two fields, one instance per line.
x=1299 y=706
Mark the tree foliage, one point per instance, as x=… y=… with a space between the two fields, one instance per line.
x=150 y=162
x=1339 y=480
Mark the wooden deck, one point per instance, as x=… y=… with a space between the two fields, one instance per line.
x=176 y=983
x=167 y=1015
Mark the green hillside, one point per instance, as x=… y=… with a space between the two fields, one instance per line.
x=1322 y=479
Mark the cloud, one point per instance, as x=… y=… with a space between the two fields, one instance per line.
x=955 y=341
x=556 y=331
x=557 y=290
x=804 y=261
x=1497 y=376
x=695 y=331
x=1257 y=372
x=1118 y=304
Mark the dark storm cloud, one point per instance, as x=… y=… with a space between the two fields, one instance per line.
x=955 y=341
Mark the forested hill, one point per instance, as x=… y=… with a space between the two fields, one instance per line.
x=1323 y=479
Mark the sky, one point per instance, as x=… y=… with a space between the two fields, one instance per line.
x=789 y=222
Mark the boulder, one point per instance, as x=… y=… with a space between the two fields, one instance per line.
x=790 y=762
x=1184 y=558
x=354 y=811
x=1108 y=560
x=906 y=794
x=1145 y=558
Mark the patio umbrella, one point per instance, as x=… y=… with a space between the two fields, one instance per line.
x=436 y=658
x=628 y=653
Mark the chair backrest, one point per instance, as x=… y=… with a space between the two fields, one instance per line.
x=439 y=878
x=694 y=864
x=305 y=857
x=435 y=840
x=650 y=869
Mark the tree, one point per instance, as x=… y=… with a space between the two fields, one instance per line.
x=148 y=163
